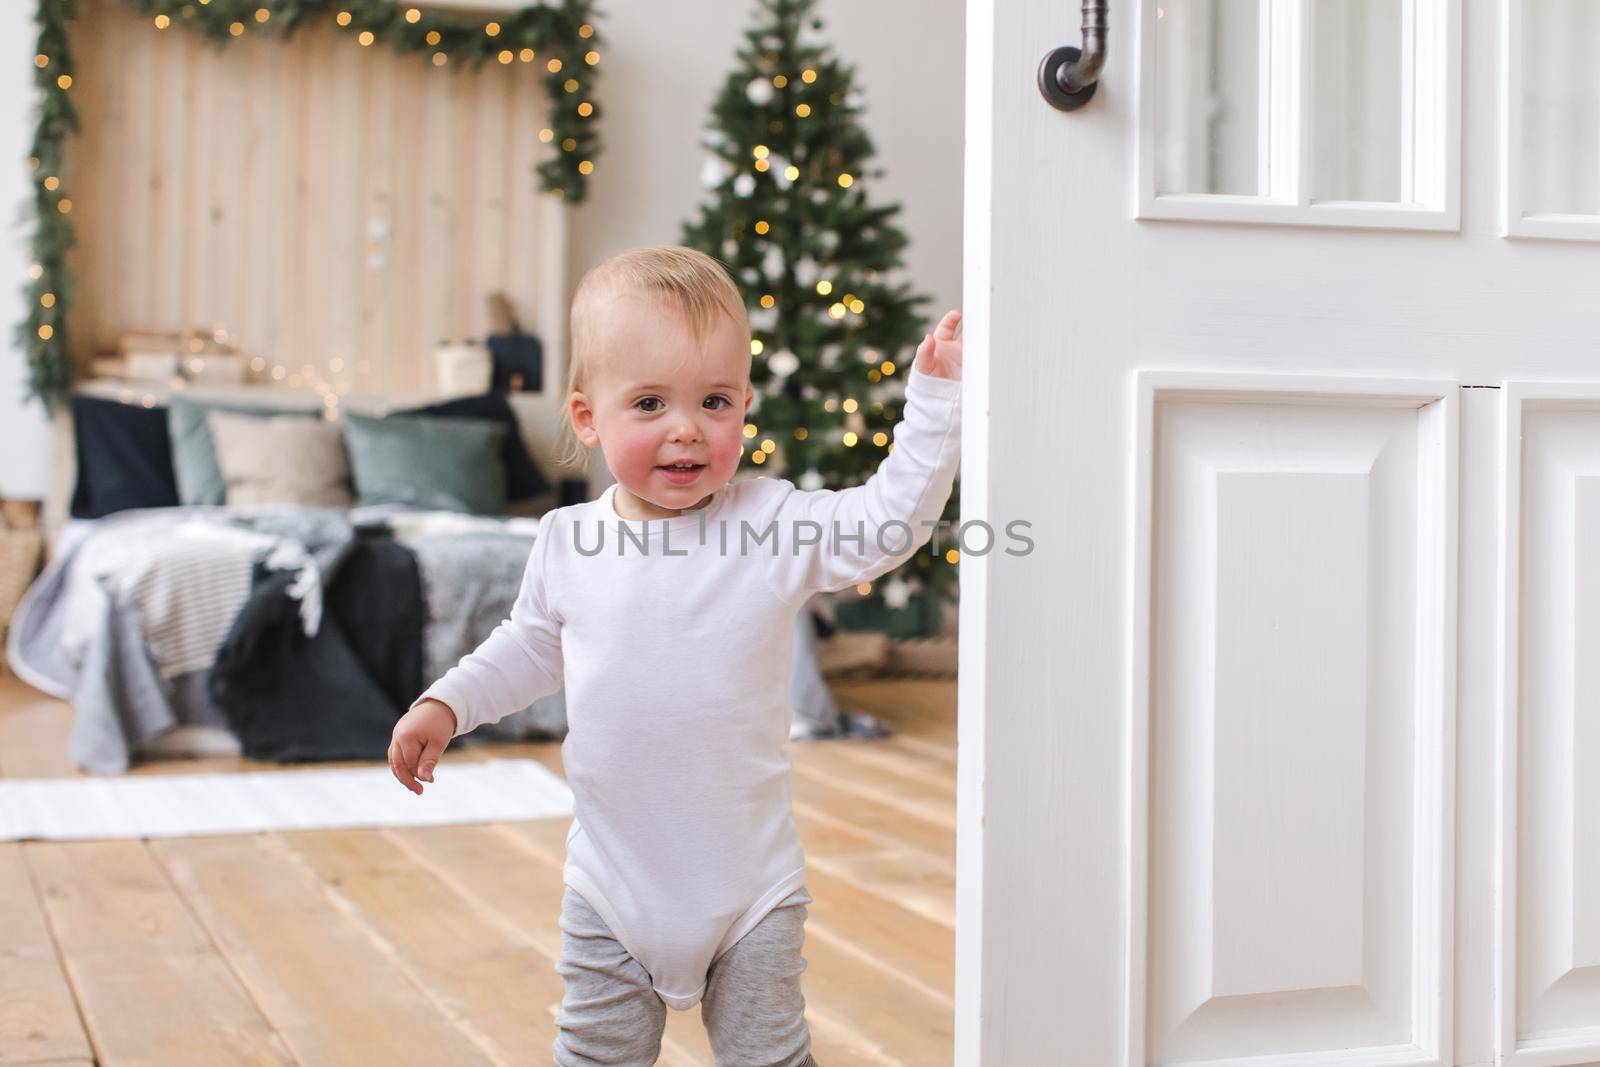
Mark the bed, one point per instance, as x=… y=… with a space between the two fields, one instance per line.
x=180 y=618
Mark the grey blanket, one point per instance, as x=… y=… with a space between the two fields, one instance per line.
x=84 y=640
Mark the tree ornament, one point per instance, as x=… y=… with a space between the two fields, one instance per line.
x=784 y=363
x=713 y=172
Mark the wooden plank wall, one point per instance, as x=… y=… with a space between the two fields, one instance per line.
x=332 y=205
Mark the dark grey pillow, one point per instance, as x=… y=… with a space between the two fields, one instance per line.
x=194 y=452
x=428 y=462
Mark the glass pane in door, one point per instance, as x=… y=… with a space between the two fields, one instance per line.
x=1356 y=98
x=1209 y=102
x=1560 y=150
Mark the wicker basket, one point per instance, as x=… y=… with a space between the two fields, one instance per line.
x=20 y=552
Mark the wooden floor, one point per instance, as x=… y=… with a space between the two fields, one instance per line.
x=437 y=945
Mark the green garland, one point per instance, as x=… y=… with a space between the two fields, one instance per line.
x=562 y=36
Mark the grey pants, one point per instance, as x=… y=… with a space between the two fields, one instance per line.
x=752 y=1008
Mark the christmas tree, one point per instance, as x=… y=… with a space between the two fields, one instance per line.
x=832 y=338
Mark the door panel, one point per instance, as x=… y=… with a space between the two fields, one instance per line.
x=1550 y=851
x=1300 y=651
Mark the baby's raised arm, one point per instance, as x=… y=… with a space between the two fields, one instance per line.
x=910 y=486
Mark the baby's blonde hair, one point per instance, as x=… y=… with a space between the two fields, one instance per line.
x=682 y=281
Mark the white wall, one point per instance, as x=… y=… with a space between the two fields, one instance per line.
x=662 y=66
x=24 y=434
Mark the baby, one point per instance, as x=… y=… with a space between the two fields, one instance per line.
x=667 y=606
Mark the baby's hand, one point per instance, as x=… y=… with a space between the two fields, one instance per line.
x=939 y=354
x=419 y=740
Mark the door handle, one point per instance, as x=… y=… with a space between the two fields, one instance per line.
x=1068 y=75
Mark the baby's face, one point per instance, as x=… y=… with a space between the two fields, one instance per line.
x=657 y=400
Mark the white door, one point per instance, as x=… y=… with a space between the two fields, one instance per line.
x=1282 y=745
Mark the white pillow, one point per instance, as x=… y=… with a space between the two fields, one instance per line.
x=281 y=459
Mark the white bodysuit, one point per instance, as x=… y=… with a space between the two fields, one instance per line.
x=676 y=654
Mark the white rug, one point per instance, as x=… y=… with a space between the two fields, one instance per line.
x=247 y=802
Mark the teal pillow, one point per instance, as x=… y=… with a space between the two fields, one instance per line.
x=427 y=461
x=194 y=453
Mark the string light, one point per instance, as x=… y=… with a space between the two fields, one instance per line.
x=433 y=37
x=569 y=143
x=586 y=109
x=808 y=75
x=845 y=180
x=570 y=85
x=750 y=429
x=65 y=81
x=64 y=206
x=51 y=182
x=41 y=61
x=342 y=18
x=863 y=588
x=761 y=226
x=262 y=14
x=545 y=135
x=36 y=271
x=779 y=81
x=413 y=15
x=758 y=457
x=492 y=29
x=953 y=556
x=849 y=404
x=888 y=366
x=526 y=55
x=769 y=445
x=824 y=287
x=439 y=59
x=236 y=28
x=506 y=56
x=756 y=346
x=45 y=332
x=800 y=433
x=791 y=172
x=880 y=438
x=365 y=38
x=585 y=167
x=849 y=438
x=162 y=22
x=47 y=300
x=768 y=300
x=759 y=151
x=591 y=58
x=554 y=66
x=586 y=31
x=802 y=110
